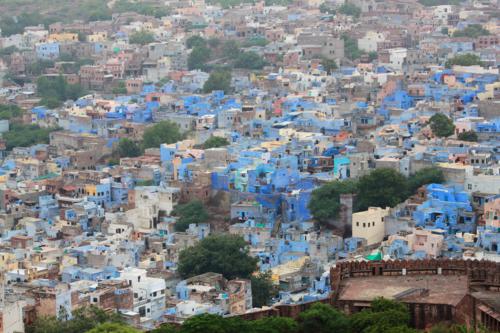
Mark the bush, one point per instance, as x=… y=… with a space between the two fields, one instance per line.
x=191 y=213
x=218 y=80
x=441 y=125
x=162 y=132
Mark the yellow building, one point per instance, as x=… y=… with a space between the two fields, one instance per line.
x=63 y=37
x=491 y=90
x=98 y=37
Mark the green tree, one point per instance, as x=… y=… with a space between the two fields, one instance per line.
x=224 y=254
x=381 y=188
x=350 y=9
x=472 y=31
x=52 y=89
x=441 y=125
x=218 y=80
x=468 y=136
x=120 y=89
x=231 y=49
x=162 y=132
x=8 y=111
x=195 y=41
x=249 y=60
x=322 y=318
x=329 y=65
x=215 y=142
x=274 y=325
x=464 y=60
x=83 y=319
x=21 y=135
x=431 y=3
x=128 y=148
x=326 y=9
x=165 y=328
x=214 y=42
x=325 y=200
x=255 y=41
x=425 y=176
x=262 y=289
x=198 y=57
x=351 y=50
x=372 y=55
x=142 y=37
x=205 y=323
x=113 y=328
x=189 y=213
x=384 y=316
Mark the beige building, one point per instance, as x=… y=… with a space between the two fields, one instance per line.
x=370 y=224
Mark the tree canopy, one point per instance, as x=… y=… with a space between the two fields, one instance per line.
x=468 y=59
x=113 y=328
x=193 y=212
x=468 y=136
x=263 y=289
x=351 y=50
x=142 y=37
x=224 y=254
x=441 y=125
x=195 y=41
x=21 y=135
x=56 y=90
x=350 y=9
x=380 y=188
x=215 y=142
x=162 y=132
x=9 y=111
x=322 y=318
x=329 y=65
x=198 y=57
x=218 y=80
x=383 y=316
x=472 y=31
x=83 y=320
x=249 y=60
x=128 y=148
x=325 y=200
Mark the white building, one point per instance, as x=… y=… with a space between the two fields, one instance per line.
x=370 y=224
x=149 y=292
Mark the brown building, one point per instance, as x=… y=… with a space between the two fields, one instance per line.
x=461 y=291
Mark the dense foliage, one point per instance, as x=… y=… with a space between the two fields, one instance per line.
x=143 y=8
x=472 y=31
x=162 y=132
x=329 y=65
x=351 y=50
x=325 y=200
x=215 y=142
x=441 y=125
x=350 y=9
x=128 y=148
x=26 y=135
x=142 y=37
x=468 y=136
x=82 y=321
x=263 y=289
x=464 y=60
x=192 y=212
x=249 y=60
x=8 y=111
x=381 y=188
x=430 y=3
x=224 y=254
x=55 y=90
x=218 y=80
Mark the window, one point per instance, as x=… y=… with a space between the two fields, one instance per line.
x=364 y=225
x=357 y=224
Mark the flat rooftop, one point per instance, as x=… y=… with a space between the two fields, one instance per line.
x=449 y=289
